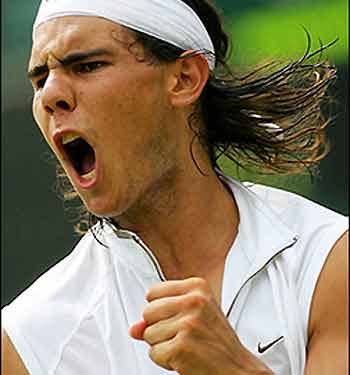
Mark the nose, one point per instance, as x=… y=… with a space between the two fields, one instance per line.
x=57 y=95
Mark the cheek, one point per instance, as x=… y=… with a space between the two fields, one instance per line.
x=121 y=115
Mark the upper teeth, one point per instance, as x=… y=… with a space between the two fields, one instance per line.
x=69 y=137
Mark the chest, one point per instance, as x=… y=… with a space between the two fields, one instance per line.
x=257 y=322
x=253 y=317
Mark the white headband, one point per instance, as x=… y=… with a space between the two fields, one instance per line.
x=171 y=21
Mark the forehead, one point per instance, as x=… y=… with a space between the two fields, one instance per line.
x=75 y=33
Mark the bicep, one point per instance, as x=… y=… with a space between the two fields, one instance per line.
x=328 y=327
x=11 y=363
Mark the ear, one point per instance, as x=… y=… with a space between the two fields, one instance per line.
x=188 y=78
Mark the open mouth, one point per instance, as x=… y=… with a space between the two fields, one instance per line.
x=80 y=154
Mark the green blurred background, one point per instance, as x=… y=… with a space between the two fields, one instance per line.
x=36 y=232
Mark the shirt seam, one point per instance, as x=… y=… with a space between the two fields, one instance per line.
x=92 y=306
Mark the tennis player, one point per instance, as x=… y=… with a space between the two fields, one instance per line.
x=184 y=270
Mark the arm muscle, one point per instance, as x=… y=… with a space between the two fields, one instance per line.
x=328 y=328
x=11 y=363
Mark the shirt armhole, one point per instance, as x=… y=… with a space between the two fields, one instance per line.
x=21 y=345
x=314 y=269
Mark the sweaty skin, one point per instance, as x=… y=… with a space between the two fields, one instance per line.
x=134 y=114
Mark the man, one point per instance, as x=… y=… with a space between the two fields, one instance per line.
x=188 y=270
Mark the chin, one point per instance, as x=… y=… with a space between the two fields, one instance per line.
x=101 y=208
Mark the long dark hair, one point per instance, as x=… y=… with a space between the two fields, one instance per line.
x=269 y=119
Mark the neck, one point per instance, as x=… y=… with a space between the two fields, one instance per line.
x=189 y=221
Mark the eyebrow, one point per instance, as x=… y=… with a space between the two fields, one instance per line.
x=68 y=60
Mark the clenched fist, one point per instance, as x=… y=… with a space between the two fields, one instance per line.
x=188 y=332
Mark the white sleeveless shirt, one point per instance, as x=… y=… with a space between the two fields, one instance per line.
x=74 y=320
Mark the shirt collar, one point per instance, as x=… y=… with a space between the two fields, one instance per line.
x=262 y=234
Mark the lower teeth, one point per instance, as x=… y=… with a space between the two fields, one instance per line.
x=90 y=175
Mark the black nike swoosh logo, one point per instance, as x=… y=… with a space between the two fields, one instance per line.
x=262 y=349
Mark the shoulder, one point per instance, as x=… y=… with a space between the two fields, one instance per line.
x=329 y=306
x=329 y=317
x=321 y=249
x=287 y=205
x=44 y=316
x=316 y=226
x=68 y=276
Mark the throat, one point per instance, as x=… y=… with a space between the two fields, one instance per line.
x=88 y=164
x=81 y=156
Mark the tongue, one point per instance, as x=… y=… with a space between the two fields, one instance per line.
x=88 y=164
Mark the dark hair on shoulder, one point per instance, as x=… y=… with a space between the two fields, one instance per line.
x=269 y=119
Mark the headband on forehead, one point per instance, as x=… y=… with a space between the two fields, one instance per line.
x=171 y=21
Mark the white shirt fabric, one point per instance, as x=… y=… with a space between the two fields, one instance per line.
x=74 y=320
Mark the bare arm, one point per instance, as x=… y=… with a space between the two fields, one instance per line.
x=328 y=346
x=11 y=363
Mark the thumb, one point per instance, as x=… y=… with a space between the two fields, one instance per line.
x=136 y=330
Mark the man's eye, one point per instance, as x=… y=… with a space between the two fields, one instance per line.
x=40 y=83
x=89 y=67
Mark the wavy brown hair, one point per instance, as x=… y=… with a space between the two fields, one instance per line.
x=269 y=119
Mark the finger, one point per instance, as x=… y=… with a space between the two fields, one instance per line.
x=161 y=354
x=174 y=288
x=137 y=330
x=161 y=309
x=162 y=331
x=165 y=289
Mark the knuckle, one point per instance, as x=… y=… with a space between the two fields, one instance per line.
x=182 y=302
x=197 y=300
x=179 y=351
x=181 y=347
x=189 y=325
x=158 y=357
x=199 y=283
x=152 y=352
